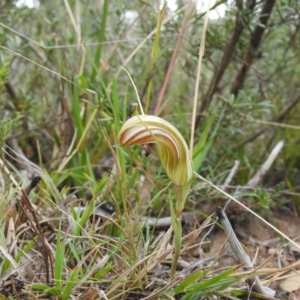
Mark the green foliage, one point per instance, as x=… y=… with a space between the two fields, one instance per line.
x=7 y=123
x=59 y=260
x=64 y=98
x=204 y=143
x=188 y=282
x=191 y=288
x=4 y=70
x=262 y=198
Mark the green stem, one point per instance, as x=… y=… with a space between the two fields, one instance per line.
x=177 y=246
x=176 y=225
x=101 y=39
x=182 y=192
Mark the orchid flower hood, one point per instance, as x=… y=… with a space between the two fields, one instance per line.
x=172 y=148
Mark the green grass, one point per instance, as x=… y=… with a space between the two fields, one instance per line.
x=64 y=113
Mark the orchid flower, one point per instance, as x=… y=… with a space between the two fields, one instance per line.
x=175 y=158
x=172 y=148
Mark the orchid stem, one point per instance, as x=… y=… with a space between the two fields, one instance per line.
x=182 y=192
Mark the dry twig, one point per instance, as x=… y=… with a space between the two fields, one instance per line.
x=253 y=281
x=27 y=208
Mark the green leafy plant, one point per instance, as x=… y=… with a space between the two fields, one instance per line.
x=191 y=289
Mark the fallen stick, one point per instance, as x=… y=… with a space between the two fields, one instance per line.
x=262 y=171
x=242 y=257
x=266 y=166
